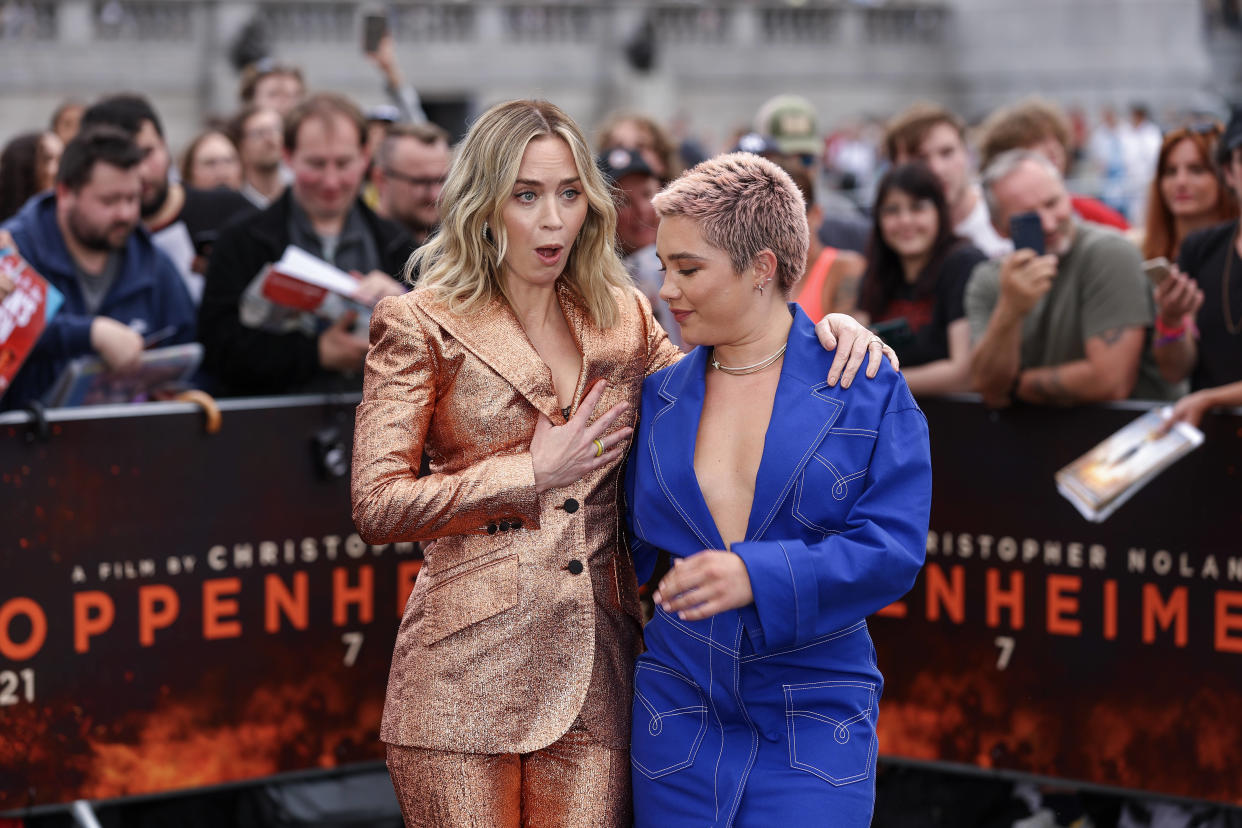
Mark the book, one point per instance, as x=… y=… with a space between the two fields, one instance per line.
x=88 y=381
x=1098 y=482
x=291 y=293
x=24 y=313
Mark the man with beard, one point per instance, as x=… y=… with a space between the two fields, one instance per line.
x=83 y=237
x=411 y=164
x=1067 y=326
x=257 y=132
x=183 y=222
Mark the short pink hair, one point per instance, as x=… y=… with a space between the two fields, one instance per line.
x=744 y=204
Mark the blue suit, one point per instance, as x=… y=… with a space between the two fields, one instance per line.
x=766 y=715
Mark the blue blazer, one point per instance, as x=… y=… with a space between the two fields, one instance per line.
x=838 y=528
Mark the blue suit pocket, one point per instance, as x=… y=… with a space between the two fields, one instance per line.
x=832 y=480
x=670 y=719
x=831 y=728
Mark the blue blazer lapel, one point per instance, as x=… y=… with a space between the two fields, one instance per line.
x=802 y=414
x=674 y=430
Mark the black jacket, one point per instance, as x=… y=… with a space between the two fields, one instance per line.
x=244 y=360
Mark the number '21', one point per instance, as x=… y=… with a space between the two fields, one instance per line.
x=11 y=681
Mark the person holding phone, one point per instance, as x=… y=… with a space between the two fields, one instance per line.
x=1065 y=326
x=516 y=366
x=380 y=47
x=913 y=288
x=1200 y=329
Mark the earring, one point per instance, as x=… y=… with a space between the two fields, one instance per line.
x=487 y=233
x=761 y=286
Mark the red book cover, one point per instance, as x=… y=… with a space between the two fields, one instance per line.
x=24 y=313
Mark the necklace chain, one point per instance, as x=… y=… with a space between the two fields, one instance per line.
x=1226 y=308
x=748 y=369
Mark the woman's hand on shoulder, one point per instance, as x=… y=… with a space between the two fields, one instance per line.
x=853 y=342
x=563 y=455
x=704 y=584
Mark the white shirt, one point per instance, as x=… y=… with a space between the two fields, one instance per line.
x=978 y=230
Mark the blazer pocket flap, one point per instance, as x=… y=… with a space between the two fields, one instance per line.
x=446 y=557
x=468 y=597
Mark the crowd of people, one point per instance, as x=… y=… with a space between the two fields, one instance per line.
x=928 y=263
x=147 y=251
x=362 y=193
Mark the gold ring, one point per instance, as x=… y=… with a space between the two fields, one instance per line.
x=599 y=448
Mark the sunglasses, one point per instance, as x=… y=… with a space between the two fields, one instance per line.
x=1208 y=128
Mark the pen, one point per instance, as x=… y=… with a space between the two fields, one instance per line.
x=1132 y=450
x=158 y=337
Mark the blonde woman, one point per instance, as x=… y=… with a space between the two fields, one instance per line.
x=515 y=366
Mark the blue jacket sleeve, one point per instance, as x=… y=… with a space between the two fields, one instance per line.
x=802 y=591
x=67 y=335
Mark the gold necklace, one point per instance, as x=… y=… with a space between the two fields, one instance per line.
x=748 y=369
x=1230 y=325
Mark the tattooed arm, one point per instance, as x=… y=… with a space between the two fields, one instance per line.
x=1108 y=373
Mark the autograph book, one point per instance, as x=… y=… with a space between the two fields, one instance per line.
x=24 y=313
x=1108 y=475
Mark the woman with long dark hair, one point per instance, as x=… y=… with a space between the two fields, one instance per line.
x=917 y=269
x=28 y=165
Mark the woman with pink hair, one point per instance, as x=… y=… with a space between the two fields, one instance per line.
x=790 y=513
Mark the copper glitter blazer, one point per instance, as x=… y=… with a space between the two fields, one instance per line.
x=525 y=614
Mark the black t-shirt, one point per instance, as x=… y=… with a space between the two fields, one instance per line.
x=205 y=212
x=1203 y=258
x=929 y=316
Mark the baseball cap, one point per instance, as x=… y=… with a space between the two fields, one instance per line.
x=757 y=143
x=385 y=113
x=618 y=162
x=790 y=121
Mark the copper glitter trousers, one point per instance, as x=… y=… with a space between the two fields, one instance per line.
x=573 y=783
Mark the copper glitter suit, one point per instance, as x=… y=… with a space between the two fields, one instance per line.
x=523 y=626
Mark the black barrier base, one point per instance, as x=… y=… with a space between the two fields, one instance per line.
x=182 y=610
x=360 y=798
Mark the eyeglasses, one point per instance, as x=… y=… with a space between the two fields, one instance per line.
x=415 y=181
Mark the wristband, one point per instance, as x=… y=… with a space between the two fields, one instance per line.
x=1167 y=332
x=1170 y=335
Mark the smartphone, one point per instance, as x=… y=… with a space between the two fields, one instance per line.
x=895 y=332
x=374 y=27
x=1027 y=232
x=1157 y=269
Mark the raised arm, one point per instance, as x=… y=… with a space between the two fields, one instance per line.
x=1175 y=348
x=997 y=356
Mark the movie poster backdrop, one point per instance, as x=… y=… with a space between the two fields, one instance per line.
x=180 y=609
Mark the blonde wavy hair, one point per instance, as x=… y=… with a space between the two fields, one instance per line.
x=461 y=263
